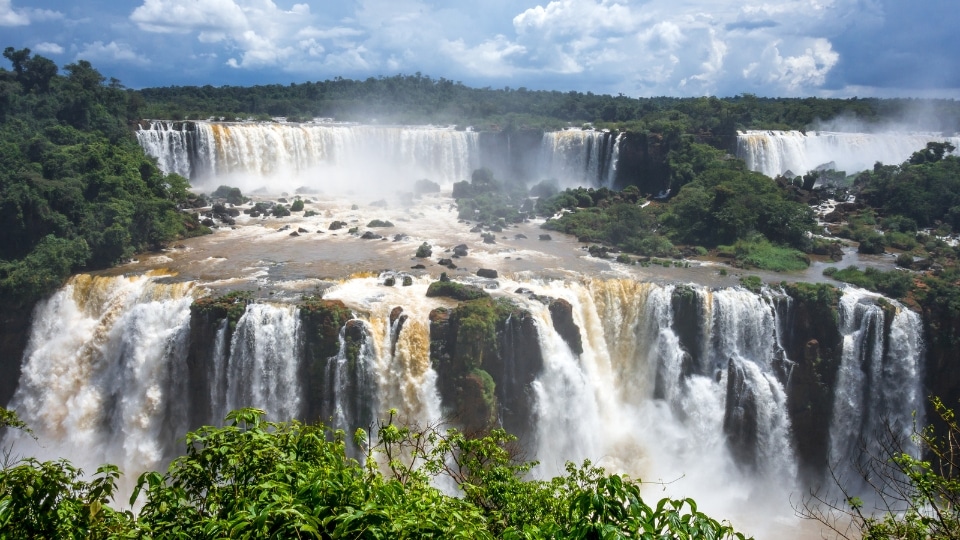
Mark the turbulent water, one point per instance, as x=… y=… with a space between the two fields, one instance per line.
x=322 y=156
x=693 y=398
x=685 y=386
x=778 y=152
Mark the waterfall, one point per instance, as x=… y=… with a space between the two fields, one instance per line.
x=263 y=369
x=350 y=395
x=879 y=383
x=318 y=155
x=104 y=373
x=676 y=383
x=777 y=152
x=580 y=157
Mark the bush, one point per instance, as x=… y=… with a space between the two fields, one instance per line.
x=231 y=194
x=297 y=205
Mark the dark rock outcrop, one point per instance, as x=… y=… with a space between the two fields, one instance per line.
x=561 y=313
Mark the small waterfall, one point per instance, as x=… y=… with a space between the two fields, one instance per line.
x=405 y=378
x=580 y=157
x=350 y=394
x=878 y=386
x=264 y=359
x=217 y=373
x=563 y=436
x=777 y=152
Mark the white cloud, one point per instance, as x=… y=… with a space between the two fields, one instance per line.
x=185 y=16
x=110 y=52
x=48 y=48
x=10 y=16
x=490 y=58
x=639 y=47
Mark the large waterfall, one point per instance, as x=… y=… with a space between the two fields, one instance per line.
x=322 y=156
x=779 y=152
x=679 y=384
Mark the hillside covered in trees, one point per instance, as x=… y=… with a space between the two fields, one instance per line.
x=76 y=190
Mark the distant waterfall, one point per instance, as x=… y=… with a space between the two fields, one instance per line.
x=321 y=156
x=580 y=157
x=199 y=150
x=777 y=152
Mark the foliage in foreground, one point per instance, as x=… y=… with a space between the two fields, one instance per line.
x=915 y=498
x=259 y=479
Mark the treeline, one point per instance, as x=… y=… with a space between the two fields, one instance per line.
x=76 y=190
x=422 y=99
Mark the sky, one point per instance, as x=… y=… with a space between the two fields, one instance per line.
x=789 y=48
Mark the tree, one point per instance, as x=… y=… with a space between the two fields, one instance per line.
x=913 y=497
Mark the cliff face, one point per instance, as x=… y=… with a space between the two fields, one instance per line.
x=487 y=355
x=813 y=342
x=14 y=333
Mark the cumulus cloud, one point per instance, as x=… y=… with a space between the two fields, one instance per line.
x=46 y=47
x=110 y=52
x=10 y=16
x=638 y=47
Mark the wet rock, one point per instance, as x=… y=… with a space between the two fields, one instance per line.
x=487 y=273
x=561 y=312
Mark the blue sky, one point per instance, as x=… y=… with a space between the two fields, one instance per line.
x=830 y=48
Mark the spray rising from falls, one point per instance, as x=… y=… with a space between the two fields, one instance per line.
x=320 y=156
x=779 y=152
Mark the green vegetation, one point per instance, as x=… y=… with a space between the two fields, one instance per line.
x=457 y=291
x=231 y=194
x=917 y=498
x=893 y=283
x=758 y=252
x=258 y=479
x=421 y=99
x=230 y=306
x=380 y=223
x=76 y=190
x=719 y=202
x=752 y=283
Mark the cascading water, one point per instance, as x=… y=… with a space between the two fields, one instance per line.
x=263 y=367
x=777 y=152
x=323 y=155
x=318 y=153
x=577 y=157
x=879 y=383
x=104 y=371
x=673 y=383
